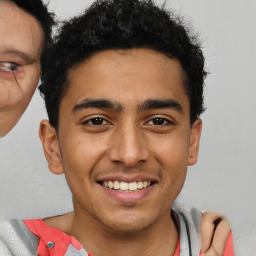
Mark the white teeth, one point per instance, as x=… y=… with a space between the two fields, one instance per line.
x=133 y=186
x=124 y=186
x=140 y=185
x=116 y=185
x=110 y=184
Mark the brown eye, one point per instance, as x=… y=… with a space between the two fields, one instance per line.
x=158 y=121
x=96 y=121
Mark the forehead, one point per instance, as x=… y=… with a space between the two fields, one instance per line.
x=127 y=75
x=19 y=31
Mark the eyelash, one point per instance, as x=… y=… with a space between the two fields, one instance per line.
x=8 y=66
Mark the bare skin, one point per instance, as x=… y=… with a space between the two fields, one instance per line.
x=61 y=222
x=214 y=234
x=20 y=50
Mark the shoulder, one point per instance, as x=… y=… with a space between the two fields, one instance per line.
x=16 y=239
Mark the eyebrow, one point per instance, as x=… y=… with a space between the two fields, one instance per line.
x=117 y=107
x=98 y=103
x=20 y=54
x=160 y=104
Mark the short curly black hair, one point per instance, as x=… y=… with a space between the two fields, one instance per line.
x=122 y=24
x=39 y=11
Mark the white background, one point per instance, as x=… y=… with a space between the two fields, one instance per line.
x=225 y=177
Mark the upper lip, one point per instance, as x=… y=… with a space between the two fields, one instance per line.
x=128 y=178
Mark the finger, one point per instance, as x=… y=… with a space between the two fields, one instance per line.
x=210 y=220
x=207 y=229
x=219 y=240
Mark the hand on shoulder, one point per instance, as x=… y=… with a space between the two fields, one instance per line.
x=216 y=235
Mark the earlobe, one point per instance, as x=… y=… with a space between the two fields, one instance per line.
x=195 y=135
x=50 y=142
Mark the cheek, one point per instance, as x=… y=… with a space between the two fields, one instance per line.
x=80 y=159
x=173 y=158
x=77 y=163
x=81 y=155
x=32 y=79
x=173 y=152
x=28 y=86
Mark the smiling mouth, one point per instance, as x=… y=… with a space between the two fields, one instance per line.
x=125 y=186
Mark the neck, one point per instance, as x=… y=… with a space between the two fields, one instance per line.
x=158 y=239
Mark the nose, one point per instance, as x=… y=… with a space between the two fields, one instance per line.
x=128 y=147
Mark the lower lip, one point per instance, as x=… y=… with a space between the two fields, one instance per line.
x=128 y=197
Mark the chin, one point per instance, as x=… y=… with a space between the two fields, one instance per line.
x=128 y=224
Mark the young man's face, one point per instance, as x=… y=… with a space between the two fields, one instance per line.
x=124 y=138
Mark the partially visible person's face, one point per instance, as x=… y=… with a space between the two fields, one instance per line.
x=124 y=138
x=20 y=48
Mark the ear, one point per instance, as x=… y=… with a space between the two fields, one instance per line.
x=195 y=135
x=50 y=142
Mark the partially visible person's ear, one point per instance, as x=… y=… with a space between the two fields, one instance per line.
x=195 y=135
x=50 y=142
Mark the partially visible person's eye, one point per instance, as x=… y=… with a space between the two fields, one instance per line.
x=6 y=66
